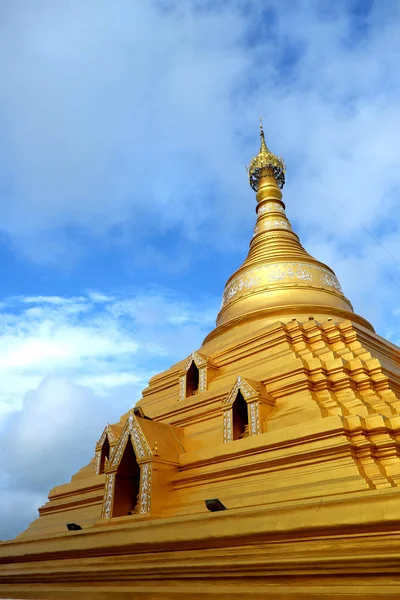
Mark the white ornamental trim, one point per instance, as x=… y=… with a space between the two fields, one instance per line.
x=269 y=274
x=182 y=387
x=107 y=432
x=202 y=364
x=145 y=487
x=140 y=445
x=103 y=437
x=108 y=496
x=97 y=458
x=198 y=360
x=270 y=207
x=248 y=392
x=254 y=418
x=203 y=379
x=267 y=224
x=111 y=436
x=227 y=426
x=275 y=234
x=241 y=385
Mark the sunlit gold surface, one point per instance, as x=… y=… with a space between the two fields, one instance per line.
x=311 y=484
x=279 y=279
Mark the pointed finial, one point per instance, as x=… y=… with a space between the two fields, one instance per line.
x=262 y=137
x=265 y=160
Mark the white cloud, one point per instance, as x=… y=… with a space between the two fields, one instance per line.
x=128 y=121
x=65 y=373
x=110 y=103
x=17 y=509
x=44 y=443
x=97 y=297
x=56 y=300
x=103 y=345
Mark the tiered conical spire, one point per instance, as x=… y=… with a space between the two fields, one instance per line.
x=279 y=280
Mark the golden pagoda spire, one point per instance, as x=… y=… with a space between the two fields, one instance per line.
x=279 y=280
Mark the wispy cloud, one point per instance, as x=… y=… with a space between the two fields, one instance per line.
x=116 y=342
x=44 y=443
x=128 y=126
x=66 y=373
x=115 y=135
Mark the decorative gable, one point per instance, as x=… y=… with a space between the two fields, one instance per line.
x=144 y=460
x=249 y=388
x=198 y=359
x=109 y=433
x=259 y=404
x=112 y=439
x=205 y=368
x=132 y=432
x=131 y=429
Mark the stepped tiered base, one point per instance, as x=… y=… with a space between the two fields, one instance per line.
x=348 y=547
x=312 y=497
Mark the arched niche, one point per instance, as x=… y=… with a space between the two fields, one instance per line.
x=240 y=417
x=104 y=455
x=143 y=462
x=104 y=449
x=245 y=409
x=128 y=474
x=192 y=380
x=195 y=375
x=127 y=484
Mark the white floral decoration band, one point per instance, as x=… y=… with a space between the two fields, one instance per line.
x=145 y=487
x=145 y=491
x=97 y=459
x=201 y=363
x=140 y=444
x=109 y=433
x=242 y=385
x=251 y=395
x=198 y=360
x=268 y=224
x=266 y=275
x=270 y=207
x=254 y=418
x=108 y=496
x=227 y=416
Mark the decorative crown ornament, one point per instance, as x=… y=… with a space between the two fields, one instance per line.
x=265 y=160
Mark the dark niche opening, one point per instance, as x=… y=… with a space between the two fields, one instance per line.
x=192 y=380
x=105 y=454
x=127 y=479
x=240 y=418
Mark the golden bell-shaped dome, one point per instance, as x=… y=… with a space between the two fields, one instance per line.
x=279 y=280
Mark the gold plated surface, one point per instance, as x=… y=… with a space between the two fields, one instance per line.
x=294 y=426
x=278 y=273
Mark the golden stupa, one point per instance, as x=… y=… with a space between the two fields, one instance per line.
x=264 y=465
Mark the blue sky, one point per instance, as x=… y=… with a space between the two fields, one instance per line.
x=124 y=202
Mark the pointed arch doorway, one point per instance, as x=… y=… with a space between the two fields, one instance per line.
x=240 y=417
x=127 y=484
